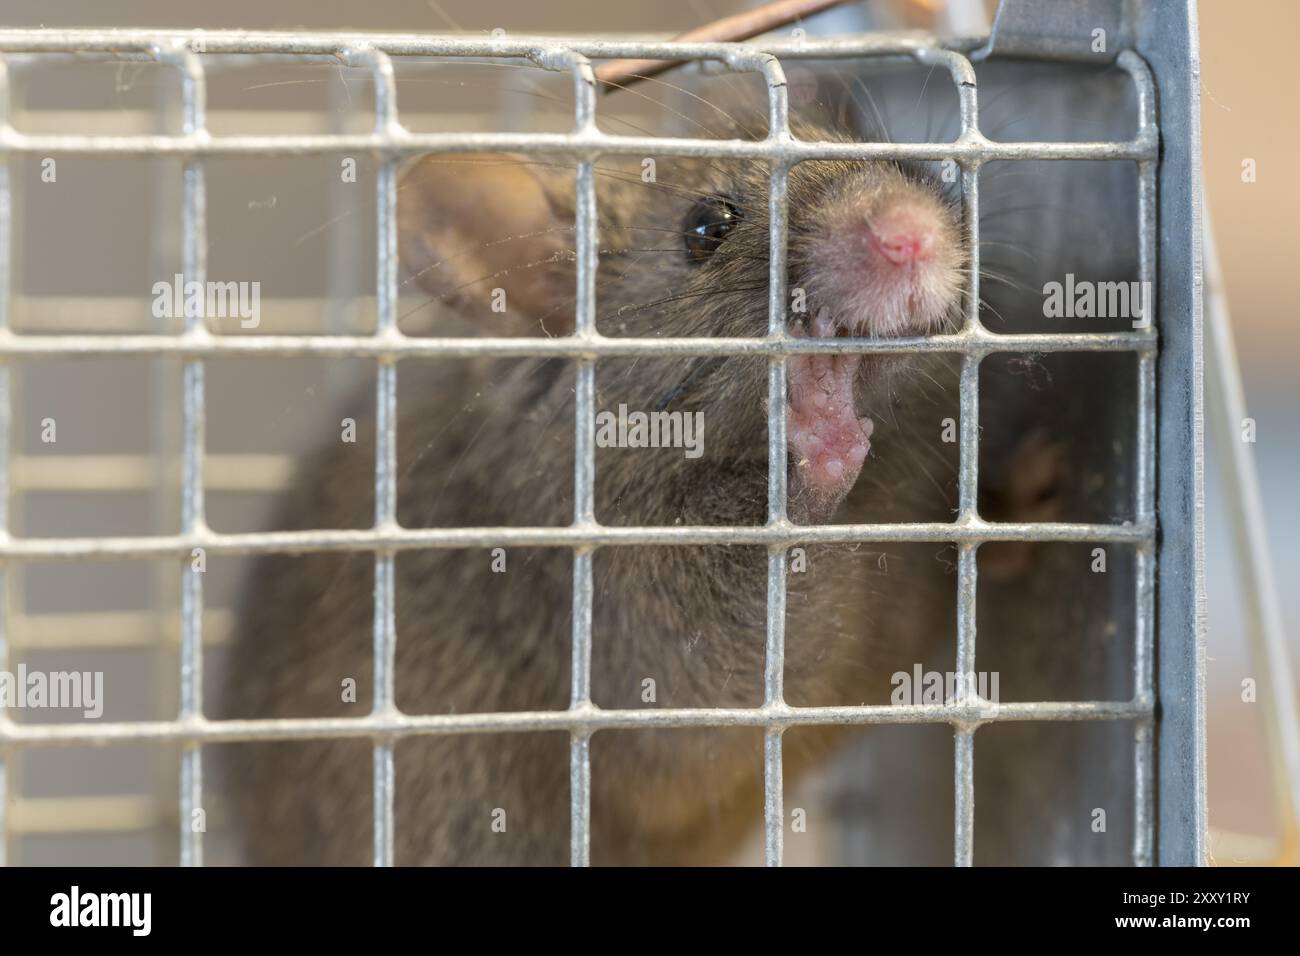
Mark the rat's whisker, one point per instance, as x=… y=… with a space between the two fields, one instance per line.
x=1005 y=280
x=680 y=115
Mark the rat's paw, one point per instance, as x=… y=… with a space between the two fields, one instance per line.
x=828 y=441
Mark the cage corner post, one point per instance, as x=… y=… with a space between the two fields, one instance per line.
x=1166 y=37
x=6 y=226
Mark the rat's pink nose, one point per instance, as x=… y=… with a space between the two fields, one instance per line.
x=886 y=263
x=901 y=237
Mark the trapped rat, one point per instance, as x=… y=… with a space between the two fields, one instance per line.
x=874 y=249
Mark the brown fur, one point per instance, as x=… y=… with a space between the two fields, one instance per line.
x=491 y=443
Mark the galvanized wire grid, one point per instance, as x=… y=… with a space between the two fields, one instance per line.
x=391 y=143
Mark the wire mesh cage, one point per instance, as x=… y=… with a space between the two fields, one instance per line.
x=1163 y=713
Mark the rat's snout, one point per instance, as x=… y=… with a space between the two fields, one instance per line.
x=886 y=261
x=883 y=257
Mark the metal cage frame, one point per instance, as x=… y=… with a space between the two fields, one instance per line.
x=1169 y=776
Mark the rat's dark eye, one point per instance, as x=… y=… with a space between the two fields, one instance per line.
x=707 y=224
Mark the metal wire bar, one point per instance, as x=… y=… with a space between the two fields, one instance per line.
x=595 y=719
x=329 y=44
x=592 y=346
x=1145 y=493
x=773 y=797
x=385 y=615
x=194 y=266
x=594 y=145
x=777 y=490
x=411 y=539
x=584 y=462
x=1144 y=479
x=967 y=510
x=167 y=465
x=586 y=144
x=964 y=796
x=964 y=741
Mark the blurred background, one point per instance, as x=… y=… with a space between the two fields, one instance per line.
x=1244 y=49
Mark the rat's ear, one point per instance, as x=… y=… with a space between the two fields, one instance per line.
x=491 y=234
